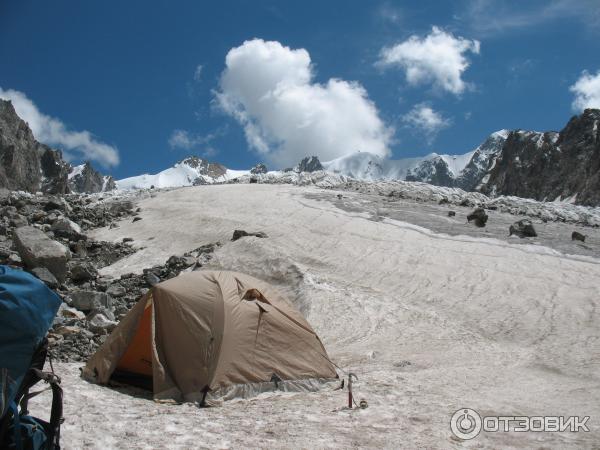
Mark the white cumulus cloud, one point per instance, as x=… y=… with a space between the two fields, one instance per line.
x=438 y=58
x=425 y=120
x=183 y=139
x=587 y=91
x=269 y=89
x=52 y=131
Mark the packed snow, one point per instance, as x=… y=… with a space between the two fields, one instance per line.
x=429 y=322
x=75 y=171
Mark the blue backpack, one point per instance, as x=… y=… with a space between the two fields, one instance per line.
x=27 y=309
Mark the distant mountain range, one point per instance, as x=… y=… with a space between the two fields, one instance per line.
x=546 y=166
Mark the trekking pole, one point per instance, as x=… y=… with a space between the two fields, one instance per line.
x=350 y=399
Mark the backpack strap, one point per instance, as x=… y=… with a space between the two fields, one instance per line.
x=16 y=425
x=56 y=412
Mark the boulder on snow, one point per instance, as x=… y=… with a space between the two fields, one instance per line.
x=451 y=213
x=479 y=216
x=237 y=234
x=577 y=236
x=38 y=250
x=522 y=228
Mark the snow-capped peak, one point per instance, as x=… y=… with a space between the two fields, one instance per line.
x=187 y=172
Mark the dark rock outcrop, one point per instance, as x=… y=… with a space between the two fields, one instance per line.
x=20 y=167
x=522 y=228
x=577 y=236
x=309 y=164
x=550 y=165
x=433 y=171
x=55 y=171
x=88 y=180
x=237 y=234
x=259 y=169
x=27 y=165
x=204 y=167
x=478 y=216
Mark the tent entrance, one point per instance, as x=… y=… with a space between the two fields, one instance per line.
x=135 y=366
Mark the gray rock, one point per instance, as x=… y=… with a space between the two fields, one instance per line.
x=86 y=301
x=479 y=216
x=451 y=213
x=38 y=250
x=116 y=290
x=104 y=311
x=46 y=276
x=151 y=278
x=65 y=311
x=101 y=324
x=67 y=229
x=81 y=272
x=67 y=330
x=522 y=228
x=577 y=236
x=18 y=220
x=237 y=234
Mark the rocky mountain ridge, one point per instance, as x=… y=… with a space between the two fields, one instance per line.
x=28 y=165
x=550 y=166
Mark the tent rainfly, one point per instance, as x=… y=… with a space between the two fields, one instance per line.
x=208 y=336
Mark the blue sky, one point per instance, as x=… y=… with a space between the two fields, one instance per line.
x=119 y=82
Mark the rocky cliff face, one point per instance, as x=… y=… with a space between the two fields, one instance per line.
x=86 y=179
x=27 y=165
x=309 y=164
x=55 y=171
x=483 y=159
x=204 y=167
x=433 y=171
x=20 y=167
x=551 y=166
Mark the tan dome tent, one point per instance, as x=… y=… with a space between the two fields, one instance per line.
x=210 y=336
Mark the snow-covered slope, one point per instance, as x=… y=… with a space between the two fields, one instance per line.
x=429 y=322
x=368 y=167
x=189 y=172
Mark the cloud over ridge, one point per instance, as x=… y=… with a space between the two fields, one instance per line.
x=52 y=131
x=587 y=91
x=269 y=89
